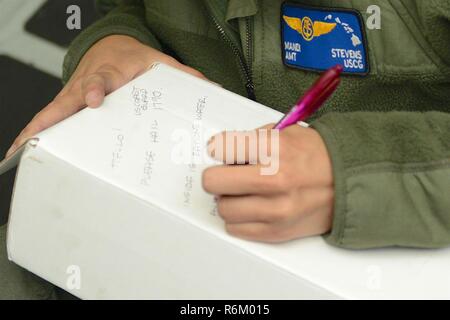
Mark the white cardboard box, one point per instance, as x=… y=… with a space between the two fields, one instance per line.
x=90 y=199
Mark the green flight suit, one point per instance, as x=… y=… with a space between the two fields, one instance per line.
x=388 y=133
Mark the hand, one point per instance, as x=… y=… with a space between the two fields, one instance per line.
x=295 y=202
x=108 y=65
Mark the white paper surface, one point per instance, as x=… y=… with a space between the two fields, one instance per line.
x=154 y=146
x=129 y=143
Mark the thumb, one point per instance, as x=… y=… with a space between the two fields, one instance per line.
x=97 y=85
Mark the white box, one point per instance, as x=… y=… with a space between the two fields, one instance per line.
x=86 y=203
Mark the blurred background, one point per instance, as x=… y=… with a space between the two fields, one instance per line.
x=33 y=41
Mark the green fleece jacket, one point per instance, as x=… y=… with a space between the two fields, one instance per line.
x=388 y=133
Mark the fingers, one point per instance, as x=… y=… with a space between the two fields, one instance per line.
x=242 y=180
x=244 y=147
x=316 y=223
x=264 y=232
x=273 y=208
x=255 y=208
x=62 y=107
x=279 y=232
x=254 y=231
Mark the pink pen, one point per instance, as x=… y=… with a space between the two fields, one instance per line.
x=313 y=99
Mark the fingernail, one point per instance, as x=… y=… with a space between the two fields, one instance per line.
x=92 y=99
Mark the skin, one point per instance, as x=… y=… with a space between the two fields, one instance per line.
x=295 y=202
x=108 y=65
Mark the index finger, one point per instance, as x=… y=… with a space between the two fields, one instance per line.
x=62 y=107
x=245 y=147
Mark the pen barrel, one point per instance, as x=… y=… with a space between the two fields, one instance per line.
x=322 y=89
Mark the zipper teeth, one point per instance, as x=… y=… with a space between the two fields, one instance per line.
x=247 y=72
x=249 y=46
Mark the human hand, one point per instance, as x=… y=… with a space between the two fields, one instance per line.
x=106 y=66
x=295 y=202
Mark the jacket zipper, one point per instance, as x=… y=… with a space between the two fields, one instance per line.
x=249 y=42
x=246 y=68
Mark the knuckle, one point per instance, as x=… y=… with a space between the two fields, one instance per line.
x=93 y=78
x=280 y=181
x=105 y=67
x=286 y=210
x=88 y=78
x=108 y=71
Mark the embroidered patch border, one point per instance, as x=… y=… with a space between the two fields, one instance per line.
x=304 y=28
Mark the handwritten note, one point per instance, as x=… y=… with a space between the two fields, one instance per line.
x=118 y=147
x=129 y=141
x=145 y=99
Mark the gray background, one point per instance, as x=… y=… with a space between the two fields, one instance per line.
x=33 y=41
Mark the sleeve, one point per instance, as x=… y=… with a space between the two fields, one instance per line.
x=124 y=17
x=392 y=178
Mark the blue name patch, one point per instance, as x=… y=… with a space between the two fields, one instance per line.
x=317 y=39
